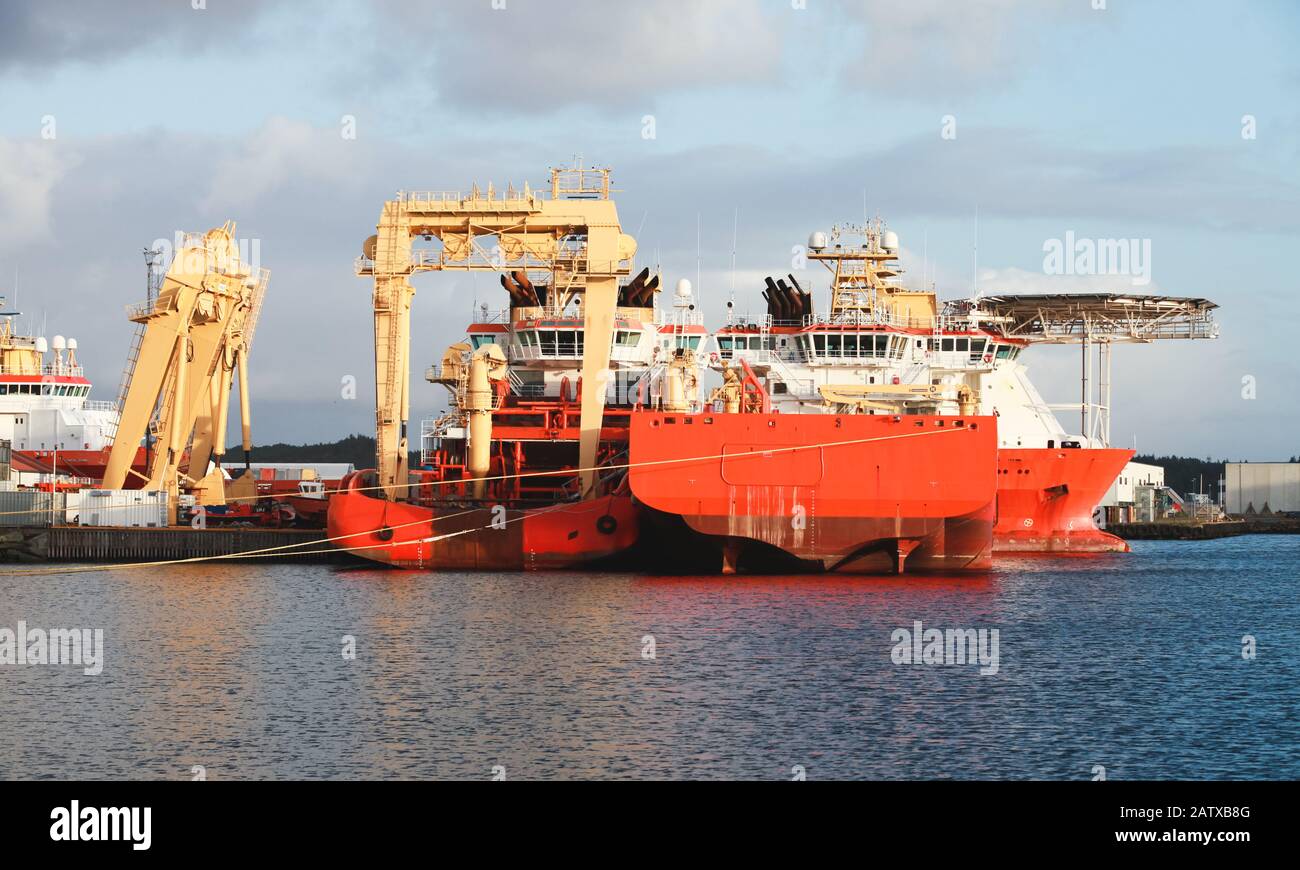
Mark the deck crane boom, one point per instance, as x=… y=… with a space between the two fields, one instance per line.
x=572 y=237
x=193 y=338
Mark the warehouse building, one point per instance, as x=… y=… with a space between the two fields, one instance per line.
x=1261 y=487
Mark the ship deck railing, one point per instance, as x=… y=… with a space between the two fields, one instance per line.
x=875 y=320
x=482 y=315
x=48 y=369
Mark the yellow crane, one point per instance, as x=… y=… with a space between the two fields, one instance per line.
x=191 y=341
x=573 y=235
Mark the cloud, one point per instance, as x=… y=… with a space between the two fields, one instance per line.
x=1015 y=280
x=534 y=56
x=938 y=48
x=29 y=172
x=280 y=151
x=41 y=36
x=1007 y=173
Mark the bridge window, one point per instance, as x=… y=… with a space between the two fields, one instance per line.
x=569 y=342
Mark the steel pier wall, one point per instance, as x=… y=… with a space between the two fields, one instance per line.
x=90 y=544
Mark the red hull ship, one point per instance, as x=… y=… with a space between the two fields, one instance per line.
x=87 y=464
x=1046 y=500
x=854 y=493
x=880 y=347
x=525 y=471
x=477 y=538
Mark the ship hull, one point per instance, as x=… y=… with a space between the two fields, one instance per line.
x=1046 y=498
x=802 y=492
x=480 y=537
x=89 y=464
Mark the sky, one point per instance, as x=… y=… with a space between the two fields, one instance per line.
x=980 y=131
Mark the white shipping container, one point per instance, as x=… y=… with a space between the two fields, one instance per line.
x=29 y=507
x=124 y=508
x=71 y=507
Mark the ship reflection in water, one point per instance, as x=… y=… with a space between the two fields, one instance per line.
x=1131 y=662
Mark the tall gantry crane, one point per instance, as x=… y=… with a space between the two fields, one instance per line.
x=193 y=336
x=571 y=240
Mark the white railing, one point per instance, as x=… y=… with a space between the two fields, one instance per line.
x=50 y=369
x=136 y=310
x=460 y=198
x=873 y=318
x=100 y=406
x=801 y=387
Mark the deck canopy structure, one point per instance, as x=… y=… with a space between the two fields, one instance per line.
x=1067 y=318
x=1091 y=320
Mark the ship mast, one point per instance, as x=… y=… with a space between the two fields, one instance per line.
x=861 y=272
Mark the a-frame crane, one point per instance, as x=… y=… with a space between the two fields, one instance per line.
x=191 y=341
x=572 y=235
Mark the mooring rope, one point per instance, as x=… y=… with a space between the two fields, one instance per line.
x=262 y=552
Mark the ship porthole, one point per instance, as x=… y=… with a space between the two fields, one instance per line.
x=384 y=534
x=606 y=525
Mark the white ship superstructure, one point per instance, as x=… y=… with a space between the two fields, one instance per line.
x=544 y=338
x=44 y=395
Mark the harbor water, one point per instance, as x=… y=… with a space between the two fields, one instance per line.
x=1176 y=661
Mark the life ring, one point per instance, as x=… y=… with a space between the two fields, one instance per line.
x=606 y=524
x=988 y=357
x=384 y=534
x=713 y=357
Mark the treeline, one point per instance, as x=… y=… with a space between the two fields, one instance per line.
x=356 y=449
x=1184 y=474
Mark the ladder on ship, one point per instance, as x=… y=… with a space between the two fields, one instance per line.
x=128 y=372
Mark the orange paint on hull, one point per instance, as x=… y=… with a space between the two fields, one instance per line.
x=78 y=463
x=854 y=493
x=464 y=537
x=1046 y=498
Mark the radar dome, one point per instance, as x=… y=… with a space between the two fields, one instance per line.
x=683 y=288
x=41 y=345
x=817 y=241
x=72 y=344
x=59 y=342
x=890 y=241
